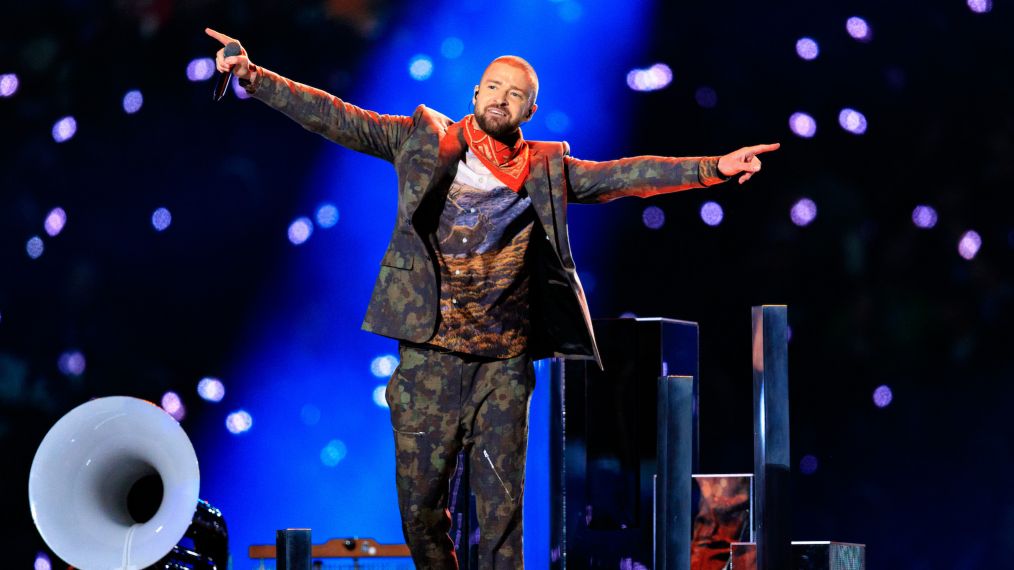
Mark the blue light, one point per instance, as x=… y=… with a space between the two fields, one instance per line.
x=132 y=102
x=558 y=122
x=333 y=452
x=711 y=213
x=420 y=67
x=200 y=69
x=211 y=389
x=42 y=562
x=238 y=422
x=852 y=121
x=452 y=47
x=64 y=129
x=327 y=215
x=653 y=217
x=8 y=84
x=300 y=230
x=380 y=396
x=35 y=247
x=706 y=97
x=803 y=125
x=808 y=465
x=310 y=414
x=882 y=396
x=807 y=49
x=71 y=363
x=570 y=11
x=383 y=366
x=161 y=219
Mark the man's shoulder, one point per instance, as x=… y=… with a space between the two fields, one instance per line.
x=551 y=148
x=426 y=115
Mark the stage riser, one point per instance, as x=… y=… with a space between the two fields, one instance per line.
x=807 y=556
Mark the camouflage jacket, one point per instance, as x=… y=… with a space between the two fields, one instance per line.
x=405 y=299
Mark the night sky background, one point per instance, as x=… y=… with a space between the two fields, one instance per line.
x=874 y=300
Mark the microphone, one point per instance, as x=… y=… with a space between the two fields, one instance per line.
x=231 y=49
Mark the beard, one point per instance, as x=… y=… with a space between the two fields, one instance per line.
x=496 y=127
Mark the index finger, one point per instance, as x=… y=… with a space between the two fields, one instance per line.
x=226 y=40
x=764 y=148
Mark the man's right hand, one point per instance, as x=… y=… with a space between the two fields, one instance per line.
x=239 y=65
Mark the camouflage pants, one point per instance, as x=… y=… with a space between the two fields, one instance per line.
x=441 y=403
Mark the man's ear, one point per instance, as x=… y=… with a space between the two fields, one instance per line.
x=475 y=94
x=531 y=111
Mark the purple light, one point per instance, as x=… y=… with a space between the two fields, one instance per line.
x=238 y=422
x=201 y=69
x=706 y=97
x=969 y=244
x=64 y=129
x=807 y=48
x=173 y=405
x=882 y=396
x=383 y=366
x=8 y=84
x=808 y=465
x=327 y=215
x=35 y=247
x=300 y=230
x=711 y=213
x=71 y=363
x=160 y=219
x=852 y=121
x=211 y=389
x=420 y=67
x=653 y=217
x=653 y=78
x=132 y=102
x=803 y=212
x=55 y=221
x=924 y=217
x=859 y=29
x=803 y=125
x=238 y=90
x=980 y=6
x=380 y=396
x=42 y=562
x=628 y=315
x=333 y=452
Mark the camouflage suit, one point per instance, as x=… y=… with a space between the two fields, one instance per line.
x=437 y=393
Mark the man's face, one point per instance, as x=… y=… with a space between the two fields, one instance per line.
x=503 y=100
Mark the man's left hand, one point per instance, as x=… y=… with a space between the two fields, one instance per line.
x=744 y=160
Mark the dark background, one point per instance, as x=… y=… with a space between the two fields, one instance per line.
x=873 y=300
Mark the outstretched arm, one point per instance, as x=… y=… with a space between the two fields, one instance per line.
x=644 y=176
x=315 y=110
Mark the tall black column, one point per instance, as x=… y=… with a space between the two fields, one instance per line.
x=675 y=454
x=773 y=505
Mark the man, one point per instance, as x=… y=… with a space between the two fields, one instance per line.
x=478 y=280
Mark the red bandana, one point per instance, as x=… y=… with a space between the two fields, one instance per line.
x=508 y=164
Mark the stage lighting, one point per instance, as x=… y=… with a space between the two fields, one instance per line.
x=71 y=363
x=969 y=245
x=173 y=405
x=160 y=219
x=859 y=29
x=238 y=90
x=980 y=6
x=420 y=67
x=327 y=215
x=380 y=396
x=211 y=389
x=333 y=452
x=132 y=102
x=924 y=217
x=803 y=125
x=35 y=247
x=300 y=230
x=64 y=129
x=711 y=213
x=807 y=48
x=238 y=422
x=8 y=84
x=558 y=122
x=310 y=414
x=55 y=221
x=706 y=97
x=803 y=212
x=808 y=465
x=452 y=47
x=852 y=121
x=201 y=69
x=653 y=217
x=383 y=366
x=882 y=396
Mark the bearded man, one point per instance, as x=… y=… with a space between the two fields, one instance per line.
x=477 y=282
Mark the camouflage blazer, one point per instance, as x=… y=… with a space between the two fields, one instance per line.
x=405 y=298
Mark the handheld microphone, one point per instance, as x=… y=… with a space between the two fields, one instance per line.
x=231 y=49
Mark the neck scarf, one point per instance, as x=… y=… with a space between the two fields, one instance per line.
x=508 y=163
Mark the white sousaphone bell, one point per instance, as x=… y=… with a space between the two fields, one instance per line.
x=86 y=470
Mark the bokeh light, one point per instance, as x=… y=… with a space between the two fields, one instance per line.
x=653 y=78
x=8 y=84
x=924 y=216
x=35 y=247
x=300 y=230
x=309 y=414
x=712 y=213
x=327 y=215
x=803 y=212
x=852 y=121
x=380 y=396
x=173 y=405
x=237 y=89
x=807 y=48
x=55 y=221
x=706 y=97
x=211 y=389
x=71 y=363
x=64 y=129
x=452 y=47
x=980 y=6
x=882 y=396
x=803 y=125
x=201 y=69
x=383 y=366
x=859 y=29
x=161 y=219
x=420 y=67
x=42 y=562
x=969 y=244
x=558 y=122
x=333 y=452
x=238 y=422
x=570 y=11
x=133 y=101
x=653 y=217
x=808 y=465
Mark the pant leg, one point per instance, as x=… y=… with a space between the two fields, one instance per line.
x=424 y=397
x=498 y=437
